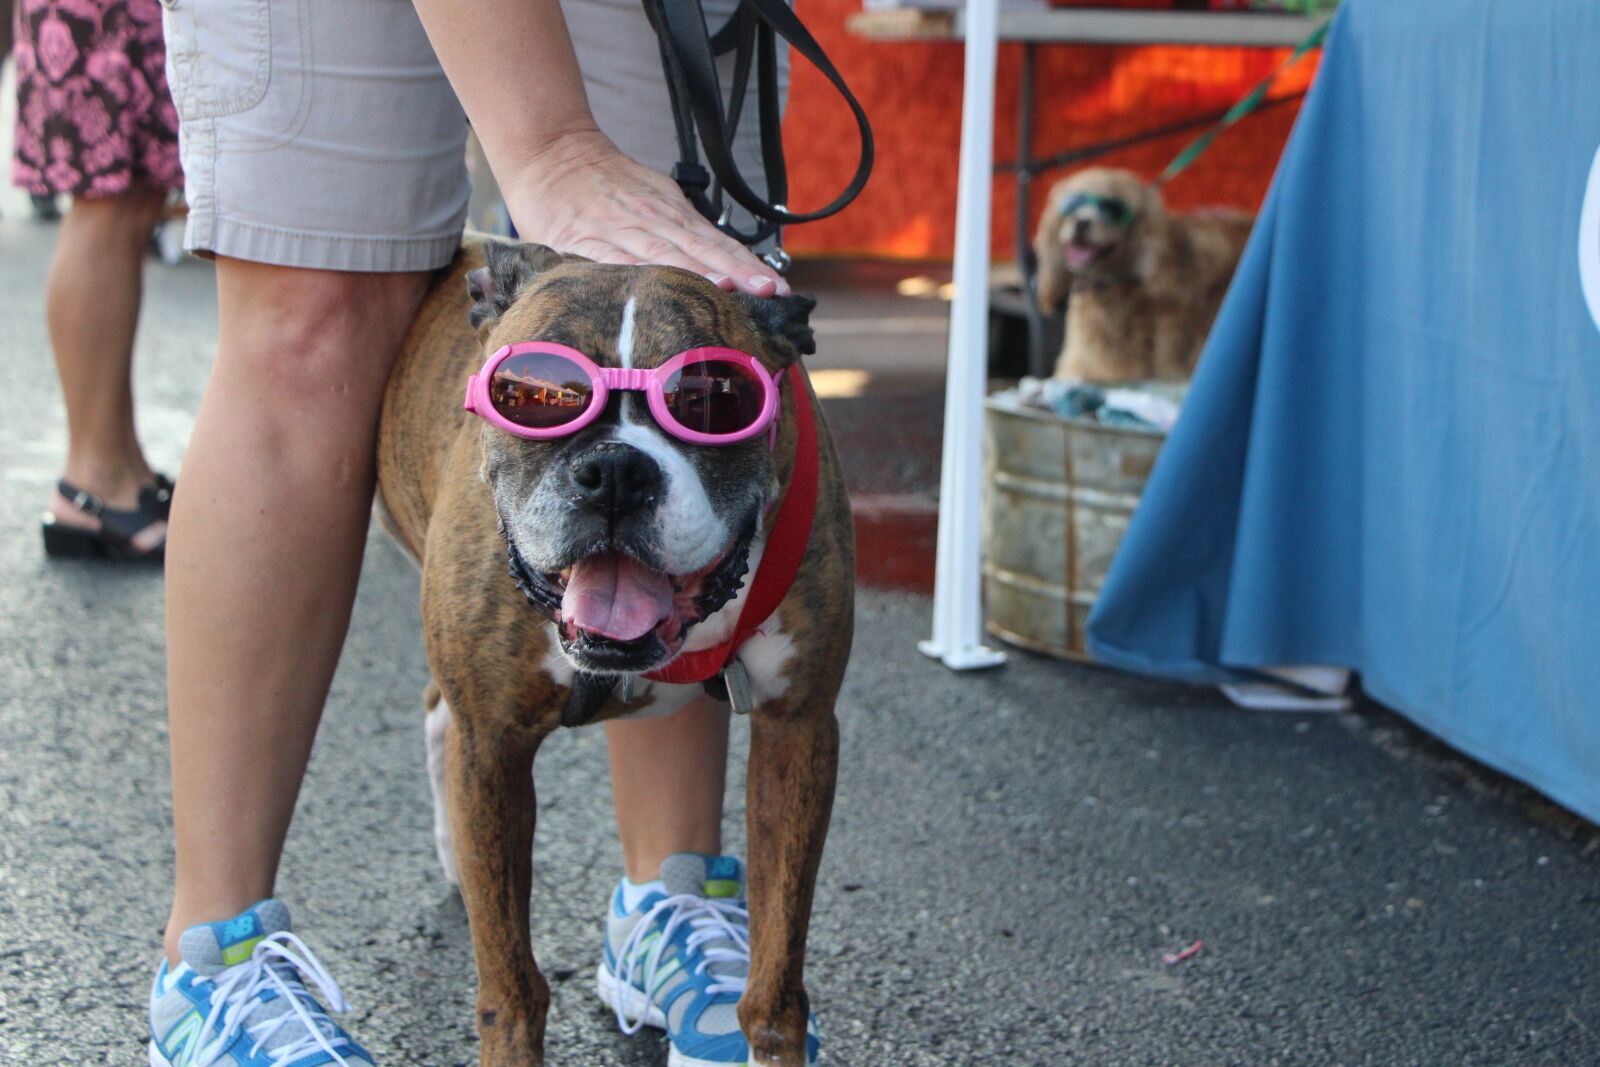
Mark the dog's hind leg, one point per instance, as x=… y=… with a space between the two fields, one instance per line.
x=435 y=726
x=794 y=756
x=489 y=784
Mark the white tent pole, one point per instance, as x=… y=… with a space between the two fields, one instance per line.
x=957 y=605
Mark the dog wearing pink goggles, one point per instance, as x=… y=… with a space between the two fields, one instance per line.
x=628 y=451
x=630 y=420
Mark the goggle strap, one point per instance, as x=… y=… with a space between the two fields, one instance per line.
x=772 y=427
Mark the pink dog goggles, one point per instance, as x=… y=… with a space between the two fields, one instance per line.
x=541 y=390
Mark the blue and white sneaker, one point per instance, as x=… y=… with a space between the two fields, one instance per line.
x=683 y=954
x=239 y=999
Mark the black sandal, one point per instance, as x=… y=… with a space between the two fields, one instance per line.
x=118 y=527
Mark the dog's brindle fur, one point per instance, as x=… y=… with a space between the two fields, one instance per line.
x=486 y=644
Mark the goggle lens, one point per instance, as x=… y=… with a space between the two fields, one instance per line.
x=714 y=396
x=540 y=390
x=1113 y=210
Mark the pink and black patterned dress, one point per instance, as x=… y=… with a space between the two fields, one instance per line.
x=93 y=113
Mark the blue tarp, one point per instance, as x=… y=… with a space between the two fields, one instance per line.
x=1390 y=456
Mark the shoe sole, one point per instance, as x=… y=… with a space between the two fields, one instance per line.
x=634 y=1003
x=70 y=542
x=157 y=1059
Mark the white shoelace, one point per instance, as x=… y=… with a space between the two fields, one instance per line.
x=709 y=920
x=238 y=988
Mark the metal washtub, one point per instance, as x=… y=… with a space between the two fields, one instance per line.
x=1058 y=497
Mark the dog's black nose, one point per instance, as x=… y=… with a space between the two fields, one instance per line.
x=1080 y=227
x=614 y=479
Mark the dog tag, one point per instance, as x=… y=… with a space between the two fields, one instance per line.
x=737 y=679
x=625 y=689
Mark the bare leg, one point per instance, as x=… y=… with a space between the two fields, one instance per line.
x=667 y=777
x=267 y=535
x=92 y=307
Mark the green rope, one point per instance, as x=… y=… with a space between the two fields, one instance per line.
x=1251 y=101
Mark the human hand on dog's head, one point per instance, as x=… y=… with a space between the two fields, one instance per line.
x=586 y=197
x=777 y=325
x=1093 y=225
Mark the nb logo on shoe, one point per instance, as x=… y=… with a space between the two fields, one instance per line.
x=239 y=929
x=182 y=1046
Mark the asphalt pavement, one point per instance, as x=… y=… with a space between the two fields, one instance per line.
x=1013 y=853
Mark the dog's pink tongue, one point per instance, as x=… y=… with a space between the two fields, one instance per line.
x=616 y=596
x=1080 y=256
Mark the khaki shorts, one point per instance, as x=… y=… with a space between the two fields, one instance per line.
x=323 y=134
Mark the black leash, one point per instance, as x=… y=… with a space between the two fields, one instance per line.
x=1104 y=148
x=688 y=57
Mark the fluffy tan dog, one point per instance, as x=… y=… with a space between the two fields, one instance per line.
x=1145 y=285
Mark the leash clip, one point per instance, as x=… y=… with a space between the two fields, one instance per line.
x=737 y=679
x=777 y=259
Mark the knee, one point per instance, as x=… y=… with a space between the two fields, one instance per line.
x=314 y=336
x=125 y=220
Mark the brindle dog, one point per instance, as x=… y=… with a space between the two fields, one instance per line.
x=458 y=495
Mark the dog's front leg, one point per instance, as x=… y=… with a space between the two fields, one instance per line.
x=794 y=757
x=490 y=789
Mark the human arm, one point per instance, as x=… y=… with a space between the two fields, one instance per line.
x=565 y=183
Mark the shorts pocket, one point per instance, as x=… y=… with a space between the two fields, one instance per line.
x=219 y=55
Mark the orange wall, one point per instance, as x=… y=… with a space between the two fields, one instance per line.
x=912 y=94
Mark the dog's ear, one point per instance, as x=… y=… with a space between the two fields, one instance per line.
x=1153 y=241
x=1151 y=203
x=508 y=270
x=785 y=322
x=1051 y=280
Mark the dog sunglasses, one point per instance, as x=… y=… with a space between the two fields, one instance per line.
x=1113 y=209
x=541 y=390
